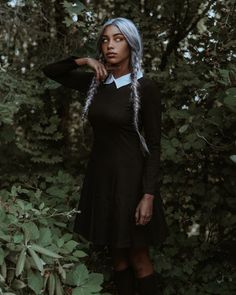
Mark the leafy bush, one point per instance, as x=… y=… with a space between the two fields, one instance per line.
x=37 y=253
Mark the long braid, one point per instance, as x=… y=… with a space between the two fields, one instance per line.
x=91 y=92
x=135 y=99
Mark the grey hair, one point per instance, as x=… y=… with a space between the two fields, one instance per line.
x=131 y=33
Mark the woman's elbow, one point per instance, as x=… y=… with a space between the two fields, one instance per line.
x=47 y=72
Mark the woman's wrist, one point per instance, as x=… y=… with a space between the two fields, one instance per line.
x=148 y=196
x=81 y=61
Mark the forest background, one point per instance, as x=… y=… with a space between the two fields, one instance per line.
x=189 y=46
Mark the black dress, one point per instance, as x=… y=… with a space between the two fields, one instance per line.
x=117 y=173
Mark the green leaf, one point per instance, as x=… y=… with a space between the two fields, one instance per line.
x=68 y=21
x=18 y=284
x=4 y=269
x=233 y=158
x=21 y=262
x=18 y=238
x=225 y=75
x=62 y=272
x=230 y=99
x=2 y=255
x=2 y=280
x=45 y=236
x=7 y=134
x=51 y=284
x=35 y=282
x=79 y=253
x=2 y=214
x=183 y=128
x=77 y=276
x=56 y=191
x=80 y=291
x=67 y=237
x=37 y=260
x=70 y=245
x=21 y=204
x=45 y=251
x=59 y=289
x=4 y=237
x=31 y=231
x=94 y=282
x=60 y=242
x=38 y=194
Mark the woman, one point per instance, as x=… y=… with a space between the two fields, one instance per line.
x=120 y=201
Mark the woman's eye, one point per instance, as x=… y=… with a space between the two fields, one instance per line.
x=117 y=39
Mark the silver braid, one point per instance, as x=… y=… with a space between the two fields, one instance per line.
x=136 y=100
x=91 y=92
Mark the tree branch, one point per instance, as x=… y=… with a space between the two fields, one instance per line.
x=181 y=33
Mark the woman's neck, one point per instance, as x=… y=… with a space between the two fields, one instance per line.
x=120 y=69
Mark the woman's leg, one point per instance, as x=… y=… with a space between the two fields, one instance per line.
x=141 y=262
x=120 y=258
x=123 y=273
x=144 y=271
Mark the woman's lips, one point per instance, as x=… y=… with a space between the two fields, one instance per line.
x=111 y=54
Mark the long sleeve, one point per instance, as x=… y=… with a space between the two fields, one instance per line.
x=68 y=73
x=151 y=119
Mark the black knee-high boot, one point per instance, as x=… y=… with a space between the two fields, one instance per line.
x=125 y=281
x=148 y=285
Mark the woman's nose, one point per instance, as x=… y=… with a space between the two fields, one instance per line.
x=110 y=44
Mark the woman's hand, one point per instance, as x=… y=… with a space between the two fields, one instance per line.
x=97 y=66
x=144 y=209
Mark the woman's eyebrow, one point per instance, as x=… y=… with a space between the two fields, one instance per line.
x=112 y=35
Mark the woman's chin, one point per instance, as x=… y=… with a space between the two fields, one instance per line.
x=112 y=65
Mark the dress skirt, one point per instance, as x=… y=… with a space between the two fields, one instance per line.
x=111 y=191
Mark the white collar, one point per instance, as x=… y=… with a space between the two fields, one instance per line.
x=122 y=80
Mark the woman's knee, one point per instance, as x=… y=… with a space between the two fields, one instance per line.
x=140 y=259
x=120 y=258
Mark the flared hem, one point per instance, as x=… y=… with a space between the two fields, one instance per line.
x=127 y=244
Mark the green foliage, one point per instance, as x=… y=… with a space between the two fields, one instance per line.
x=37 y=252
x=73 y=9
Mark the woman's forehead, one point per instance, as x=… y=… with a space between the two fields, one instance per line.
x=111 y=31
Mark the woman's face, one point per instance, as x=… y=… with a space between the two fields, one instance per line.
x=113 y=41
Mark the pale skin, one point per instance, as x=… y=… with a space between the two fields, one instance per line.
x=113 y=41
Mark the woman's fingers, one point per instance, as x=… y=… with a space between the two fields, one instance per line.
x=98 y=68
x=144 y=218
x=104 y=72
x=143 y=213
x=101 y=72
x=97 y=72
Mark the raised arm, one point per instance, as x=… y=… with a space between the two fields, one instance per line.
x=151 y=118
x=68 y=72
